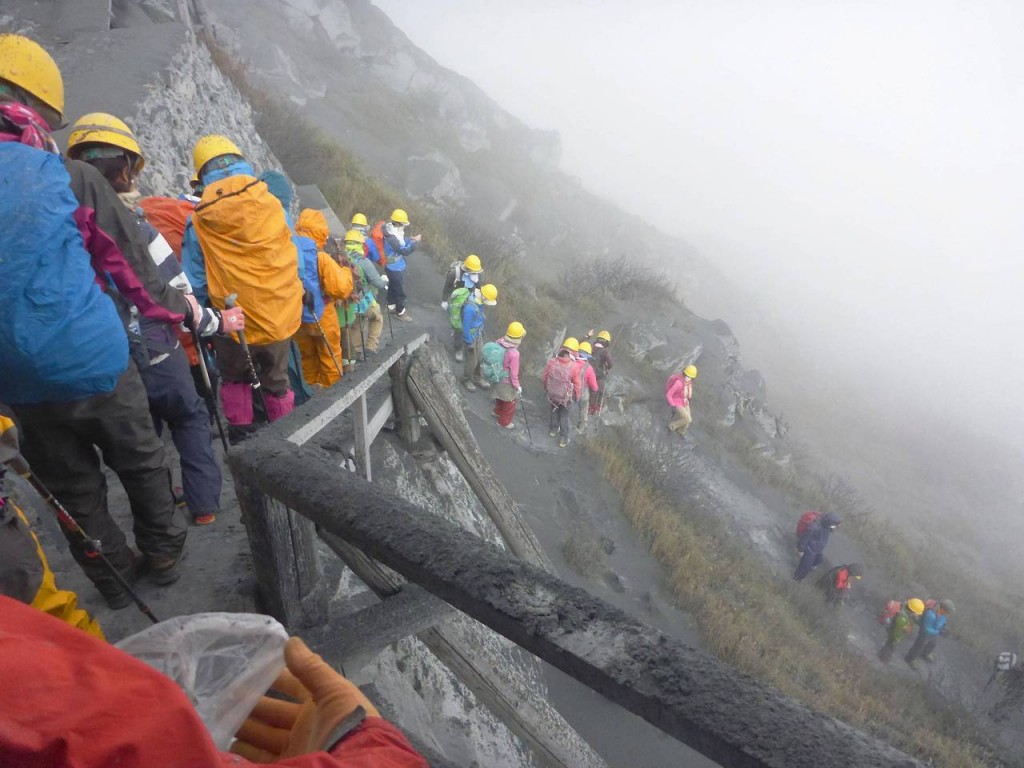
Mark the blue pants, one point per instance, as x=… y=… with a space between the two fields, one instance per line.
x=396 y=289
x=808 y=562
x=173 y=400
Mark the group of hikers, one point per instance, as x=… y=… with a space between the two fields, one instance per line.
x=119 y=311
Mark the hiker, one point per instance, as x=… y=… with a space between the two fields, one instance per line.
x=67 y=374
x=933 y=624
x=240 y=246
x=504 y=372
x=389 y=249
x=837 y=582
x=1010 y=677
x=370 y=319
x=117 y=710
x=900 y=625
x=678 y=393
x=461 y=274
x=359 y=223
x=320 y=342
x=473 y=334
x=602 y=362
x=812 y=543
x=588 y=384
x=108 y=144
x=25 y=573
x=562 y=386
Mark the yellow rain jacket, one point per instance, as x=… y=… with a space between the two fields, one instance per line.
x=336 y=284
x=248 y=250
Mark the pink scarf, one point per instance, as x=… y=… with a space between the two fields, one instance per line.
x=31 y=128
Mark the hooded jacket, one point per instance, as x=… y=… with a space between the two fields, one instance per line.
x=815 y=538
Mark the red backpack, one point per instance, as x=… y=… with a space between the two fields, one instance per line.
x=807 y=519
x=889 y=613
x=169 y=216
x=377 y=235
x=558 y=385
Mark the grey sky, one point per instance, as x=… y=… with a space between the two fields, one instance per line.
x=859 y=162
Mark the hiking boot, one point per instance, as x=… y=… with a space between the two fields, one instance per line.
x=553 y=433
x=483 y=383
x=163 y=569
x=238 y=433
x=115 y=596
x=204 y=518
x=391 y=307
x=459 y=356
x=116 y=600
x=563 y=442
x=404 y=315
x=510 y=425
x=469 y=385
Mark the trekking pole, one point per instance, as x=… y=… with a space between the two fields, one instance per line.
x=362 y=334
x=387 y=311
x=231 y=302
x=92 y=546
x=207 y=382
x=323 y=336
x=526 y=421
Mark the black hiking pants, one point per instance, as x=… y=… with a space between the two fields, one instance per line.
x=922 y=648
x=60 y=441
x=560 y=420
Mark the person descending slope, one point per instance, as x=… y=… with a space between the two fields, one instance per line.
x=837 y=582
x=501 y=368
x=678 y=393
x=240 y=246
x=811 y=545
x=107 y=144
x=319 y=336
x=390 y=247
x=66 y=370
x=371 y=321
x=562 y=386
x=588 y=384
x=933 y=624
x=473 y=334
x=463 y=276
x=602 y=362
x=899 y=626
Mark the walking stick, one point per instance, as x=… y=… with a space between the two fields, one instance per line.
x=323 y=336
x=92 y=546
x=526 y=421
x=387 y=311
x=362 y=335
x=212 y=402
x=230 y=302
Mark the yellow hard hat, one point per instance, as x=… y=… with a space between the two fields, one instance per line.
x=605 y=335
x=516 y=330
x=472 y=264
x=26 y=64
x=355 y=236
x=359 y=220
x=209 y=147
x=571 y=344
x=399 y=216
x=585 y=347
x=490 y=294
x=101 y=128
x=916 y=605
x=691 y=371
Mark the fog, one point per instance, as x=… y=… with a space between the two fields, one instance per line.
x=854 y=167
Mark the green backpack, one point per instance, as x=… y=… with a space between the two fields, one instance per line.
x=455 y=303
x=492 y=362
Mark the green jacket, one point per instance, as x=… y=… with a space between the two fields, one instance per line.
x=901 y=626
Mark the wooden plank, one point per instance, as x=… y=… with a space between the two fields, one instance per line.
x=408 y=416
x=380 y=418
x=527 y=714
x=439 y=406
x=362 y=449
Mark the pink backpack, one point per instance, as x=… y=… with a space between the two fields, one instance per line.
x=559 y=383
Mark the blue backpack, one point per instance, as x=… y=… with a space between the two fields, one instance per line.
x=492 y=362
x=309 y=272
x=60 y=337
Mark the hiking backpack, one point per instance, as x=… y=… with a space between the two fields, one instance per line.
x=456 y=302
x=169 y=216
x=889 y=613
x=309 y=272
x=492 y=362
x=559 y=382
x=807 y=519
x=377 y=235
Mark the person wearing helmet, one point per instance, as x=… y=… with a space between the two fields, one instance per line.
x=67 y=372
x=588 y=384
x=371 y=319
x=461 y=274
x=812 y=543
x=396 y=246
x=837 y=582
x=678 y=393
x=602 y=362
x=473 y=320
x=562 y=386
x=900 y=627
x=240 y=247
x=508 y=391
x=108 y=144
x=933 y=624
x=359 y=223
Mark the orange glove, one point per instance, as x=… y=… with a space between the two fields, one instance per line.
x=323 y=699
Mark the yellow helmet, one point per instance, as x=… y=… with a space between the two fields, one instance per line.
x=690 y=371
x=359 y=220
x=355 y=236
x=585 y=347
x=571 y=344
x=101 y=128
x=472 y=264
x=27 y=65
x=916 y=605
x=490 y=294
x=605 y=336
x=399 y=216
x=516 y=330
x=209 y=147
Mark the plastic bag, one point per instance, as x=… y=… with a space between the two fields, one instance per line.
x=223 y=661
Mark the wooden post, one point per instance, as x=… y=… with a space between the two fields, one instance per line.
x=359 y=424
x=405 y=410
